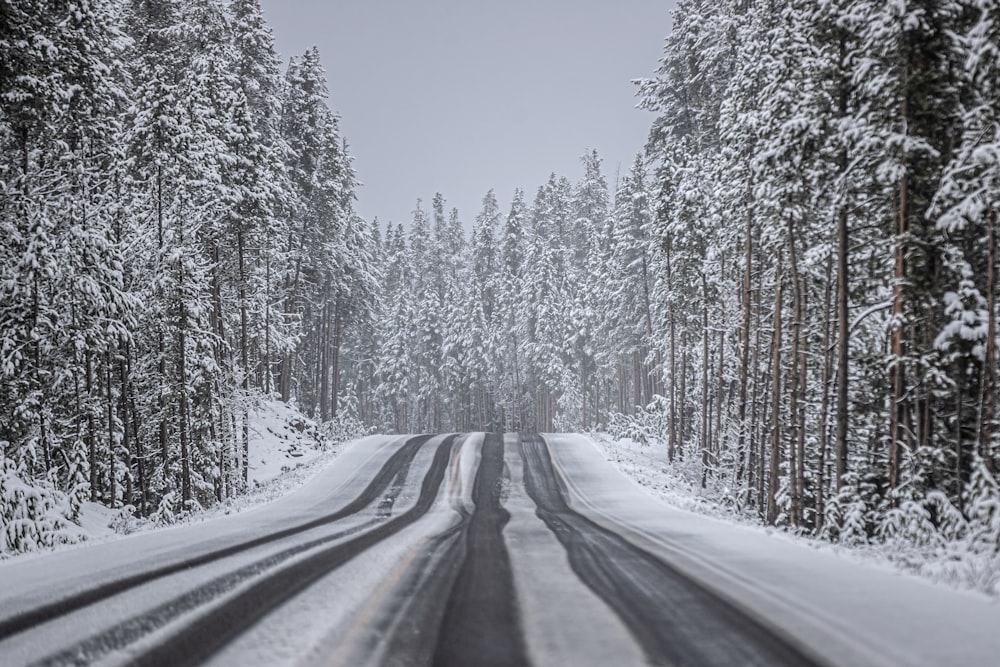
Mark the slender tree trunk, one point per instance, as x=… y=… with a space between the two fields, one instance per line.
x=775 y=453
x=91 y=431
x=705 y=416
x=800 y=444
x=753 y=478
x=719 y=381
x=337 y=325
x=795 y=381
x=745 y=346
x=161 y=338
x=897 y=407
x=682 y=425
x=112 y=472
x=323 y=365
x=244 y=452
x=182 y=425
x=824 y=409
x=267 y=327
x=988 y=400
x=843 y=345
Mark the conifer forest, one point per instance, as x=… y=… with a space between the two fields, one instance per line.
x=792 y=288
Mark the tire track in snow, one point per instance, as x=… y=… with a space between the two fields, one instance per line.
x=674 y=619
x=121 y=635
x=207 y=633
x=481 y=625
x=25 y=620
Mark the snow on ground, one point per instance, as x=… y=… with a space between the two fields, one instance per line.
x=281 y=439
x=287 y=449
x=649 y=467
x=857 y=611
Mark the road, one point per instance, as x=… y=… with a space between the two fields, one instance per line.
x=426 y=550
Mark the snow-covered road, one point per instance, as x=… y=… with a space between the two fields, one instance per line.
x=476 y=550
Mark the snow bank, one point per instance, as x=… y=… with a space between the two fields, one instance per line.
x=960 y=563
x=286 y=450
x=853 y=610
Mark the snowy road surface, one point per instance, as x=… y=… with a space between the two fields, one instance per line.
x=476 y=550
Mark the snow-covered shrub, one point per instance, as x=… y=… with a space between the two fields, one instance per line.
x=166 y=511
x=648 y=424
x=343 y=427
x=124 y=521
x=33 y=516
x=982 y=502
x=847 y=517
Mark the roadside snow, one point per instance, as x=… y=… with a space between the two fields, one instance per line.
x=856 y=612
x=287 y=449
x=281 y=439
x=649 y=467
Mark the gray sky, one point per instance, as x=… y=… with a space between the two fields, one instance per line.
x=460 y=96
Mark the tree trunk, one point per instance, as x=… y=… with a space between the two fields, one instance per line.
x=91 y=431
x=337 y=324
x=988 y=400
x=744 y=347
x=795 y=381
x=682 y=423
x=705 y=416
x=112 y=473
x=244 y=453
x=775 y=453
x=824 y=409
x=897 y=406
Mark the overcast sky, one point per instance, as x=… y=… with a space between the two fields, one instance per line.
x=460 y=96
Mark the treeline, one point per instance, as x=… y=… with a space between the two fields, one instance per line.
x=177 y=239
x=542 y=320
x=828 y=179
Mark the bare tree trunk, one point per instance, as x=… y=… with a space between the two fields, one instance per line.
x=682 y=424
x=744 y=347
x=324 y=364
x=794 y=381
x=843 y=286
x=775 y=453
x=717 y=442
x=755 y=477
x=897 y=407
x=824 y=409
x=799 y=470
x=335 y=379
x=988 y=400
x=267 y=326
x=705 y=417
x=244 y=363
x=161 y=337
x=112 y=473
x=91 y=431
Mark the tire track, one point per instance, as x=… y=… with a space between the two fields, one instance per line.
x=400 y=460
x=674 y=619
x=481 y=625
x=208 y=633
x=121 y=635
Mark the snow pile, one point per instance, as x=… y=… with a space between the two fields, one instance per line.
x=926 y=536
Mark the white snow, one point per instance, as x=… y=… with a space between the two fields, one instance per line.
x=858 y=613
x=280 y=439
x=287 y=449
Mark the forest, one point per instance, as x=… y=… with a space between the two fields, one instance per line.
x=791 y=289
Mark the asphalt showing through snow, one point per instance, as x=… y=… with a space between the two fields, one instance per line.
x=451 y=599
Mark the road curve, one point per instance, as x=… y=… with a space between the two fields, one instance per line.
x=426 y=550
